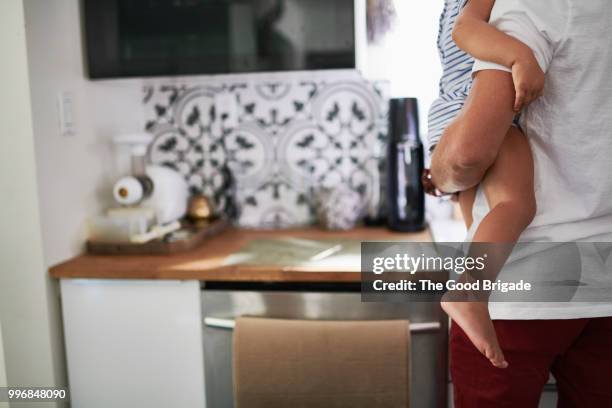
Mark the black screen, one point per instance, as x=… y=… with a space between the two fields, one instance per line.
x=180 y=37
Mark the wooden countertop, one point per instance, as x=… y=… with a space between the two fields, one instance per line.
x=206 y=262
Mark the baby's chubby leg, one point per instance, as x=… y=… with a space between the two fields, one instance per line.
x=508 y=187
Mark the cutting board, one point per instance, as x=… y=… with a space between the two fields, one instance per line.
x=185 y=239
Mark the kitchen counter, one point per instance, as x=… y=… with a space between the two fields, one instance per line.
x=126 y=317
x=207 y=263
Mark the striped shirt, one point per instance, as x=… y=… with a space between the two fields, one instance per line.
x=456 y=78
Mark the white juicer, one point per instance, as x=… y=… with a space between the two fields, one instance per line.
x=158 y=188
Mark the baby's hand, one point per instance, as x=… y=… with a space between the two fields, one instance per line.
x=528 y=81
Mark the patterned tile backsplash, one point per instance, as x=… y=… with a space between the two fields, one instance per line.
x=261 y=149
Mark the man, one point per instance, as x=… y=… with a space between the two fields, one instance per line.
x=570 y=133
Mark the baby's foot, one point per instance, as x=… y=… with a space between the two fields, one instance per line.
x=474 y=319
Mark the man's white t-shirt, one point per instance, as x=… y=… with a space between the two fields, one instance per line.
x=570 y=132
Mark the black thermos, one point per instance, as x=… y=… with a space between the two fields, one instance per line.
x=405 y=162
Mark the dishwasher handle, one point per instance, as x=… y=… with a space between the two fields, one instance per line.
x=230 y=324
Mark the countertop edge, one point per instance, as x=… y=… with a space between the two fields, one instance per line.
x=205 y=263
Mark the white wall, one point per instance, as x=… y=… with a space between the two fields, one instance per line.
x=408 y=56
x=25 y=293
x=47 y=179
x=74 y=171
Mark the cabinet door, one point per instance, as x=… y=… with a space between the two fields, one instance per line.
x=133 y=343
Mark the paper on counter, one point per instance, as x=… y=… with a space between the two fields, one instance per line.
x=299 y=253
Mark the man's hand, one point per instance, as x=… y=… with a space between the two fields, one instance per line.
x=469 y=146
x=528 y=80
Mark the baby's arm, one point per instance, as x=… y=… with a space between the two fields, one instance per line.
x=473 y=34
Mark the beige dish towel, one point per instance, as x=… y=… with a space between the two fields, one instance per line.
x=326 y=364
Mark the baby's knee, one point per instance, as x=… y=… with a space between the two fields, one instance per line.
x=524 y=211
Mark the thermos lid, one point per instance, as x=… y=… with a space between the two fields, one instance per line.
x=403 y=120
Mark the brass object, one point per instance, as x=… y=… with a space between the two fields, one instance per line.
x=200 y=208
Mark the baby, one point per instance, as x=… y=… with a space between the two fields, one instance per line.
x=508 y=184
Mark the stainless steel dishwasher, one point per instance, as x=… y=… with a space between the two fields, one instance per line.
x=224 y=302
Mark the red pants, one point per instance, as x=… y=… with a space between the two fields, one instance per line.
x=577 y=352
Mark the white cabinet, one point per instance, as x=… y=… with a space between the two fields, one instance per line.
x=133 y=343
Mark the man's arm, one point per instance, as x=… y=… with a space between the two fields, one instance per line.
x=470 y=144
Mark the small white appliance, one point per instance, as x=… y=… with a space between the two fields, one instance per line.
x=159 y=188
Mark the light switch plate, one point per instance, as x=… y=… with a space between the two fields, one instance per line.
x=65 y=111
